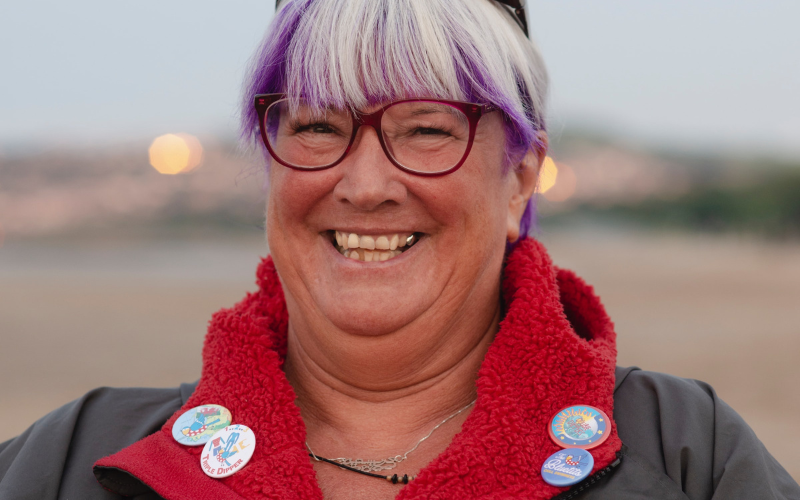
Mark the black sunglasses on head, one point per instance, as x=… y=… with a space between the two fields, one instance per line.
x=518 y=12
x=514 y=6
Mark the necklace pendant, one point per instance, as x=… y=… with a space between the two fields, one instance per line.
x=371 y=465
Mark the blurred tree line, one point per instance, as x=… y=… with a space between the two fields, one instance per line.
x=769 y=207
x=765 y=203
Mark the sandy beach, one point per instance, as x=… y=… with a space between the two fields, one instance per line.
x=77 y=315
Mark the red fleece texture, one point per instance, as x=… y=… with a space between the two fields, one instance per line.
x=555 y=348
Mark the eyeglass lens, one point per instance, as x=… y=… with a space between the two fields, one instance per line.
x=421 y=136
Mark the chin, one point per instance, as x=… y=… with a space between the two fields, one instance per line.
x=374 y=316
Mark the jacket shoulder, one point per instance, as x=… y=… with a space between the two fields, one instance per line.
x=681 y=429
x=53 y=458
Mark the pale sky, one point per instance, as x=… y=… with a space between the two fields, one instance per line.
x=695 y=74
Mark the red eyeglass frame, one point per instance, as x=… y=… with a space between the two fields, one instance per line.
x=472 y=111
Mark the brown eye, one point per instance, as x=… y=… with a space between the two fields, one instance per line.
x=316 y=128
x=431 y=131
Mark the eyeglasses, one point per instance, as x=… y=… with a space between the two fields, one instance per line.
x=427 y=137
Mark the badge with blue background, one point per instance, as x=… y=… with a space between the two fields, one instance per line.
x=567 y=467
x=579 y=426
x=196 y=426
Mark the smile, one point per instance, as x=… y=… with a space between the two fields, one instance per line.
x=373 y=248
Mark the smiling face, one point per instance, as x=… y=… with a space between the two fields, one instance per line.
x=360 y=54
x=457 y=224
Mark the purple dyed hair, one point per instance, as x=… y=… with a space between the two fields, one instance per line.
x=388 y=73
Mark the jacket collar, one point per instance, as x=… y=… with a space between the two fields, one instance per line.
x=555 y=348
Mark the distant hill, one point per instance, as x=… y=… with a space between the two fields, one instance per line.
x=115 y=189
x=105 y=190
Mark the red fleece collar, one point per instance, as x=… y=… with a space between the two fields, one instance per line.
x=555 y=348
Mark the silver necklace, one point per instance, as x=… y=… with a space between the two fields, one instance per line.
x=372 y=466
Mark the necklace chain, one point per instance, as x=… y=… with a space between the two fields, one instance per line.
x=387 y=463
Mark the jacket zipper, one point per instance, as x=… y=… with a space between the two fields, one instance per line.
x=590 y=481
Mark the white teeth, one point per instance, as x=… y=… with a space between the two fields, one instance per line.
x=367 y=242
x=369 y=248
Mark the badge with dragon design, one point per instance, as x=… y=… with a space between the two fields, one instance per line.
x=579 y=426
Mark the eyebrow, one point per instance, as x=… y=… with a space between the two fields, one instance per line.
x=431 y=109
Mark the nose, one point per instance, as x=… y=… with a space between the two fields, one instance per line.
x=369 y=180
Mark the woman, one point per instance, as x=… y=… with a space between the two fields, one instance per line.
x=401 y=323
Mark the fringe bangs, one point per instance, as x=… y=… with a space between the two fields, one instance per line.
x=358 y=54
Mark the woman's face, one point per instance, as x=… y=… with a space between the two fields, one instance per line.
x=460 y=222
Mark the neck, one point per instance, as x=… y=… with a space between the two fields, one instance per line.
x=374 y=396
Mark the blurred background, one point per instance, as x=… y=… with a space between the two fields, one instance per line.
x=129 y=214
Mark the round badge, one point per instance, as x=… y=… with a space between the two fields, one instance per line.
x=579 y=426
x=228 y=451
x=567 y=467
x=196 y=426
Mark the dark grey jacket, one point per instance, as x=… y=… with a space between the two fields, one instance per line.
x=680 y=442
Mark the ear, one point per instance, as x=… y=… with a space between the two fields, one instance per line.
x=527 y=175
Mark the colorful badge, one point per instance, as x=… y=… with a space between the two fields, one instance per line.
x=228 y=451
x=196 y=426
x=579 y=427
x=567 y=467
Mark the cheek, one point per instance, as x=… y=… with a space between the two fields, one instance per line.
x=291 y=196
x=476 y=196
x=471 y=207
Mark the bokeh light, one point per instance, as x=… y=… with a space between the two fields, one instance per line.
x=175 y=153
x=564 y=186
x=547 y=175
